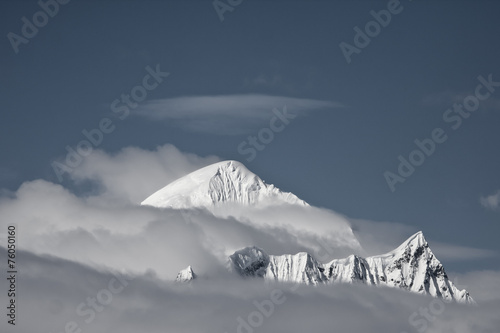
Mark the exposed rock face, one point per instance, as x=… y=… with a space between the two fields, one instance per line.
x=412 y=266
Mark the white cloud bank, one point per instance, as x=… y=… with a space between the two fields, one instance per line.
x=90 y=236
x=133 y=173
x=53 y=290
x=110 y=229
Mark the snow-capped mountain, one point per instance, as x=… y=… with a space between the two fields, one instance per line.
x=229 y=190
x=412 y=266
x=219 y=183
x=186 y=275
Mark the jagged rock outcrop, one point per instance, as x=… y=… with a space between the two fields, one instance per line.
x=186 y=275
x=412 y=266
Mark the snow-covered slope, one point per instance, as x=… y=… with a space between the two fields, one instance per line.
x=186 y=275
x=229 y=190
x=222 y=182
x=301 y=267
x=228 y=184
x=412 y=266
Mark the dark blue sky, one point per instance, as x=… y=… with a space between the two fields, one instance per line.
x=394 y=91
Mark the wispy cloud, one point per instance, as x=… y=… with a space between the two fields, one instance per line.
x=227 y=114
x=265 y=81
x=381 y=237
x=451 y=252
x=491 y=202
x=88 y=238
x=444 y=98
x=120 y=179
x=482 y=284
x=447 y=98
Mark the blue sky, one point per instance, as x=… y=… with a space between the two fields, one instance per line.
x=352 y=120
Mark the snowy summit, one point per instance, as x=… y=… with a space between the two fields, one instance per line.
x=185 y=275
x=219 y=183
x=412 y=266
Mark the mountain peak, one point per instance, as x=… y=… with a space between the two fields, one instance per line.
x=186 y=275
x=412 y=266
x=416 y=238
x=250 y=261
x=232 y=164
x=217 y=184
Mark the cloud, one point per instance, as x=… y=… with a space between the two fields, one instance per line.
x=446 y=99
x=108 y=228
x=51 y=220
x=382 y=237
x=482 y=284
x=53 y=289
x=54 y=221
x=265 y=81
x=491 y=202
x=227 y=114
x=133 y=173
x=452 y=252
x=71 y=246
